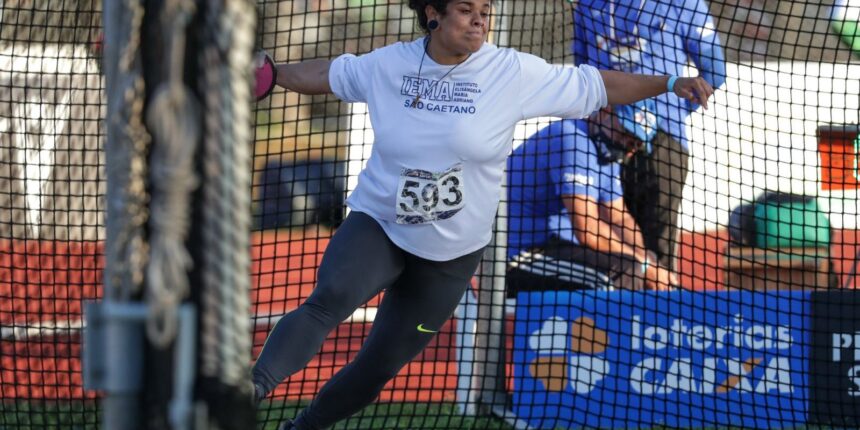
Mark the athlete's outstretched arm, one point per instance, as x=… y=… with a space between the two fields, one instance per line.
x=308 y=77
x=625 y=88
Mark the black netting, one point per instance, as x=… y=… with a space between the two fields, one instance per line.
x=759 y=329
x=52 y=197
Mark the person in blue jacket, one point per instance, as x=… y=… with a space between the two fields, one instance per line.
x=651 y=36
x=565 y=206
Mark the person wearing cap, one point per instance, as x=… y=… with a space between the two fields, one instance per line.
x=565 y=205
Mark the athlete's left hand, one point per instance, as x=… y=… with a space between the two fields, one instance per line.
x=697 y=90
x=265 y=75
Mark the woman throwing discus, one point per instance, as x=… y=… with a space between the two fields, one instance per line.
x=443 y=110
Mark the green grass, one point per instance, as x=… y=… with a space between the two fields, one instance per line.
x=412 y=416
x=74 y=415
x=81 y=415
x=85 y=415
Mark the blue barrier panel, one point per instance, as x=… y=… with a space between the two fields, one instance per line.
x=679 y=359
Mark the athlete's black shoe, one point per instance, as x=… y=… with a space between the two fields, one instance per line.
x=287 y=425
x=259 y=394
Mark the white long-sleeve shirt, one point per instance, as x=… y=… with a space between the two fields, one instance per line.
x=433 y=180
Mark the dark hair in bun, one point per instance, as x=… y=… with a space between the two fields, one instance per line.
x=420 y=6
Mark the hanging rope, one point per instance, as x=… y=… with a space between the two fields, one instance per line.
x=126 y=168
x=173 y=117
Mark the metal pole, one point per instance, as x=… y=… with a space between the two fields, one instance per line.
x=489 y=340
x=466 y=315
x=122 y=341
x=490 y=396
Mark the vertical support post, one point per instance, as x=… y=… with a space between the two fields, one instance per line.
x=466 y=316
x=125 y=165
x=488 y=389
x=489 y=339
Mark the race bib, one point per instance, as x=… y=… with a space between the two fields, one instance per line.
x=424 y=196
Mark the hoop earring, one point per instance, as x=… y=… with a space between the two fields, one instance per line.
x=432 y=24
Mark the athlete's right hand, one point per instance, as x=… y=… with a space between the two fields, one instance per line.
x=265 y=75
x=658 y=278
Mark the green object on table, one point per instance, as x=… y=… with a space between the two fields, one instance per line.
x=795 y=222
x=845 y=19
x=857 y=157
x=850 y=32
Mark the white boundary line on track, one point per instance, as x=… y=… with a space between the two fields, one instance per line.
x=26 y=330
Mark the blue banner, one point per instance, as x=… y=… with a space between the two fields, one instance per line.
x=680 y=359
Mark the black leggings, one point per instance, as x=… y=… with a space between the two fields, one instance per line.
x=359 y=262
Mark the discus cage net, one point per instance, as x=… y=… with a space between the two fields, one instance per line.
x=762 y=331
